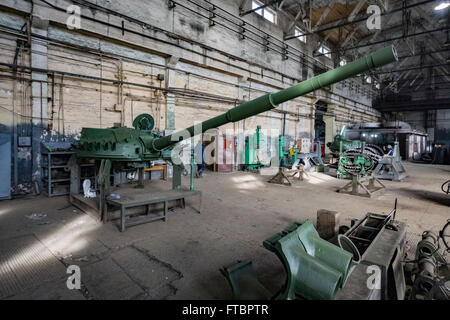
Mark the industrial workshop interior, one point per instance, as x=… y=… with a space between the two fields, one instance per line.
x=225 y=150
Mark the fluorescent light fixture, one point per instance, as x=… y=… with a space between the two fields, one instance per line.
x=442 y=6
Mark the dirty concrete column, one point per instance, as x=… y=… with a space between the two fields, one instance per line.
x=38 y=92
x=240 y=135
x=170 y=113
x=330 y=125
x=171 y=63
x=312 y=122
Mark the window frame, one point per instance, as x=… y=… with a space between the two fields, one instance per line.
x=300 y=34
x=325 y=51
x=261 y=12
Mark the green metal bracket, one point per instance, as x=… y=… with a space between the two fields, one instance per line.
x=176 y=179
x=242 y=279
x=191 y=179
x=316 y=269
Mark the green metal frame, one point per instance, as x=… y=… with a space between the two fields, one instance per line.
x=254 y=143
x=315 y=268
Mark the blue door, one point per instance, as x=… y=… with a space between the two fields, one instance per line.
x=5 y=161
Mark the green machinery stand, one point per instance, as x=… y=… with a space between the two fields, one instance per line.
x=280 y=177
x=253 y=145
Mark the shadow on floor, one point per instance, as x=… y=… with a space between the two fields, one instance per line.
x=437 y=198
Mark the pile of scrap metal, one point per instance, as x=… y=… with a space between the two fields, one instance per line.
x=319 y=269
x=428 y=275
x=440 y=154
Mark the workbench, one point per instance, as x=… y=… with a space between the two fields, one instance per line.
x=148 y=198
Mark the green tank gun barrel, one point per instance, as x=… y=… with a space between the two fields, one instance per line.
x=270 y=101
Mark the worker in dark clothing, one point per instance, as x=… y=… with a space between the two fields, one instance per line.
x=199 y=152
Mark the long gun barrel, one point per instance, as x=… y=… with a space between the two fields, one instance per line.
x=270 y=101
x=143 y=144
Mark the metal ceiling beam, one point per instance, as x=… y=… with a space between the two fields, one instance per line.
x=362 y=18
x=294 y=21
x=356 y=10
x=325 y=13
x=280 y=6
x=412 y=68
x=351 y=17
x=383 y=4
x=392 y=39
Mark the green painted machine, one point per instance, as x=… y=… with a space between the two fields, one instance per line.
x=253 y=146
x=340 y=144
x=122 y=149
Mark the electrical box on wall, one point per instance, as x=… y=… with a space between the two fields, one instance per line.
x=24 y=142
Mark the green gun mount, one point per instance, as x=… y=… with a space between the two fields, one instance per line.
x=128 y=149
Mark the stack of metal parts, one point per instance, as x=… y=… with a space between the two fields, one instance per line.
x=430 y=274
x=315 y=268
x=390 y=167
x=318 y=269
x=379 y=240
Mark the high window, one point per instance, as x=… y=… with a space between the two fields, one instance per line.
x=325 y=51
x=266 y=12
x=299 y=34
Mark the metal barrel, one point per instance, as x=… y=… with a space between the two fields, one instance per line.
x=270 y=101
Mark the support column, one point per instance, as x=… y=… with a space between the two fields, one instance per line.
x=240 y=135
x=171 y=63
x=170 y=113
x=330 y=125
x=312 y=130
x=38 y=58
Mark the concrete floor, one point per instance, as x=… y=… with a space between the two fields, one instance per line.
x=180 y=258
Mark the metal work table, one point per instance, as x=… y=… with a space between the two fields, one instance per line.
x=146 y=199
